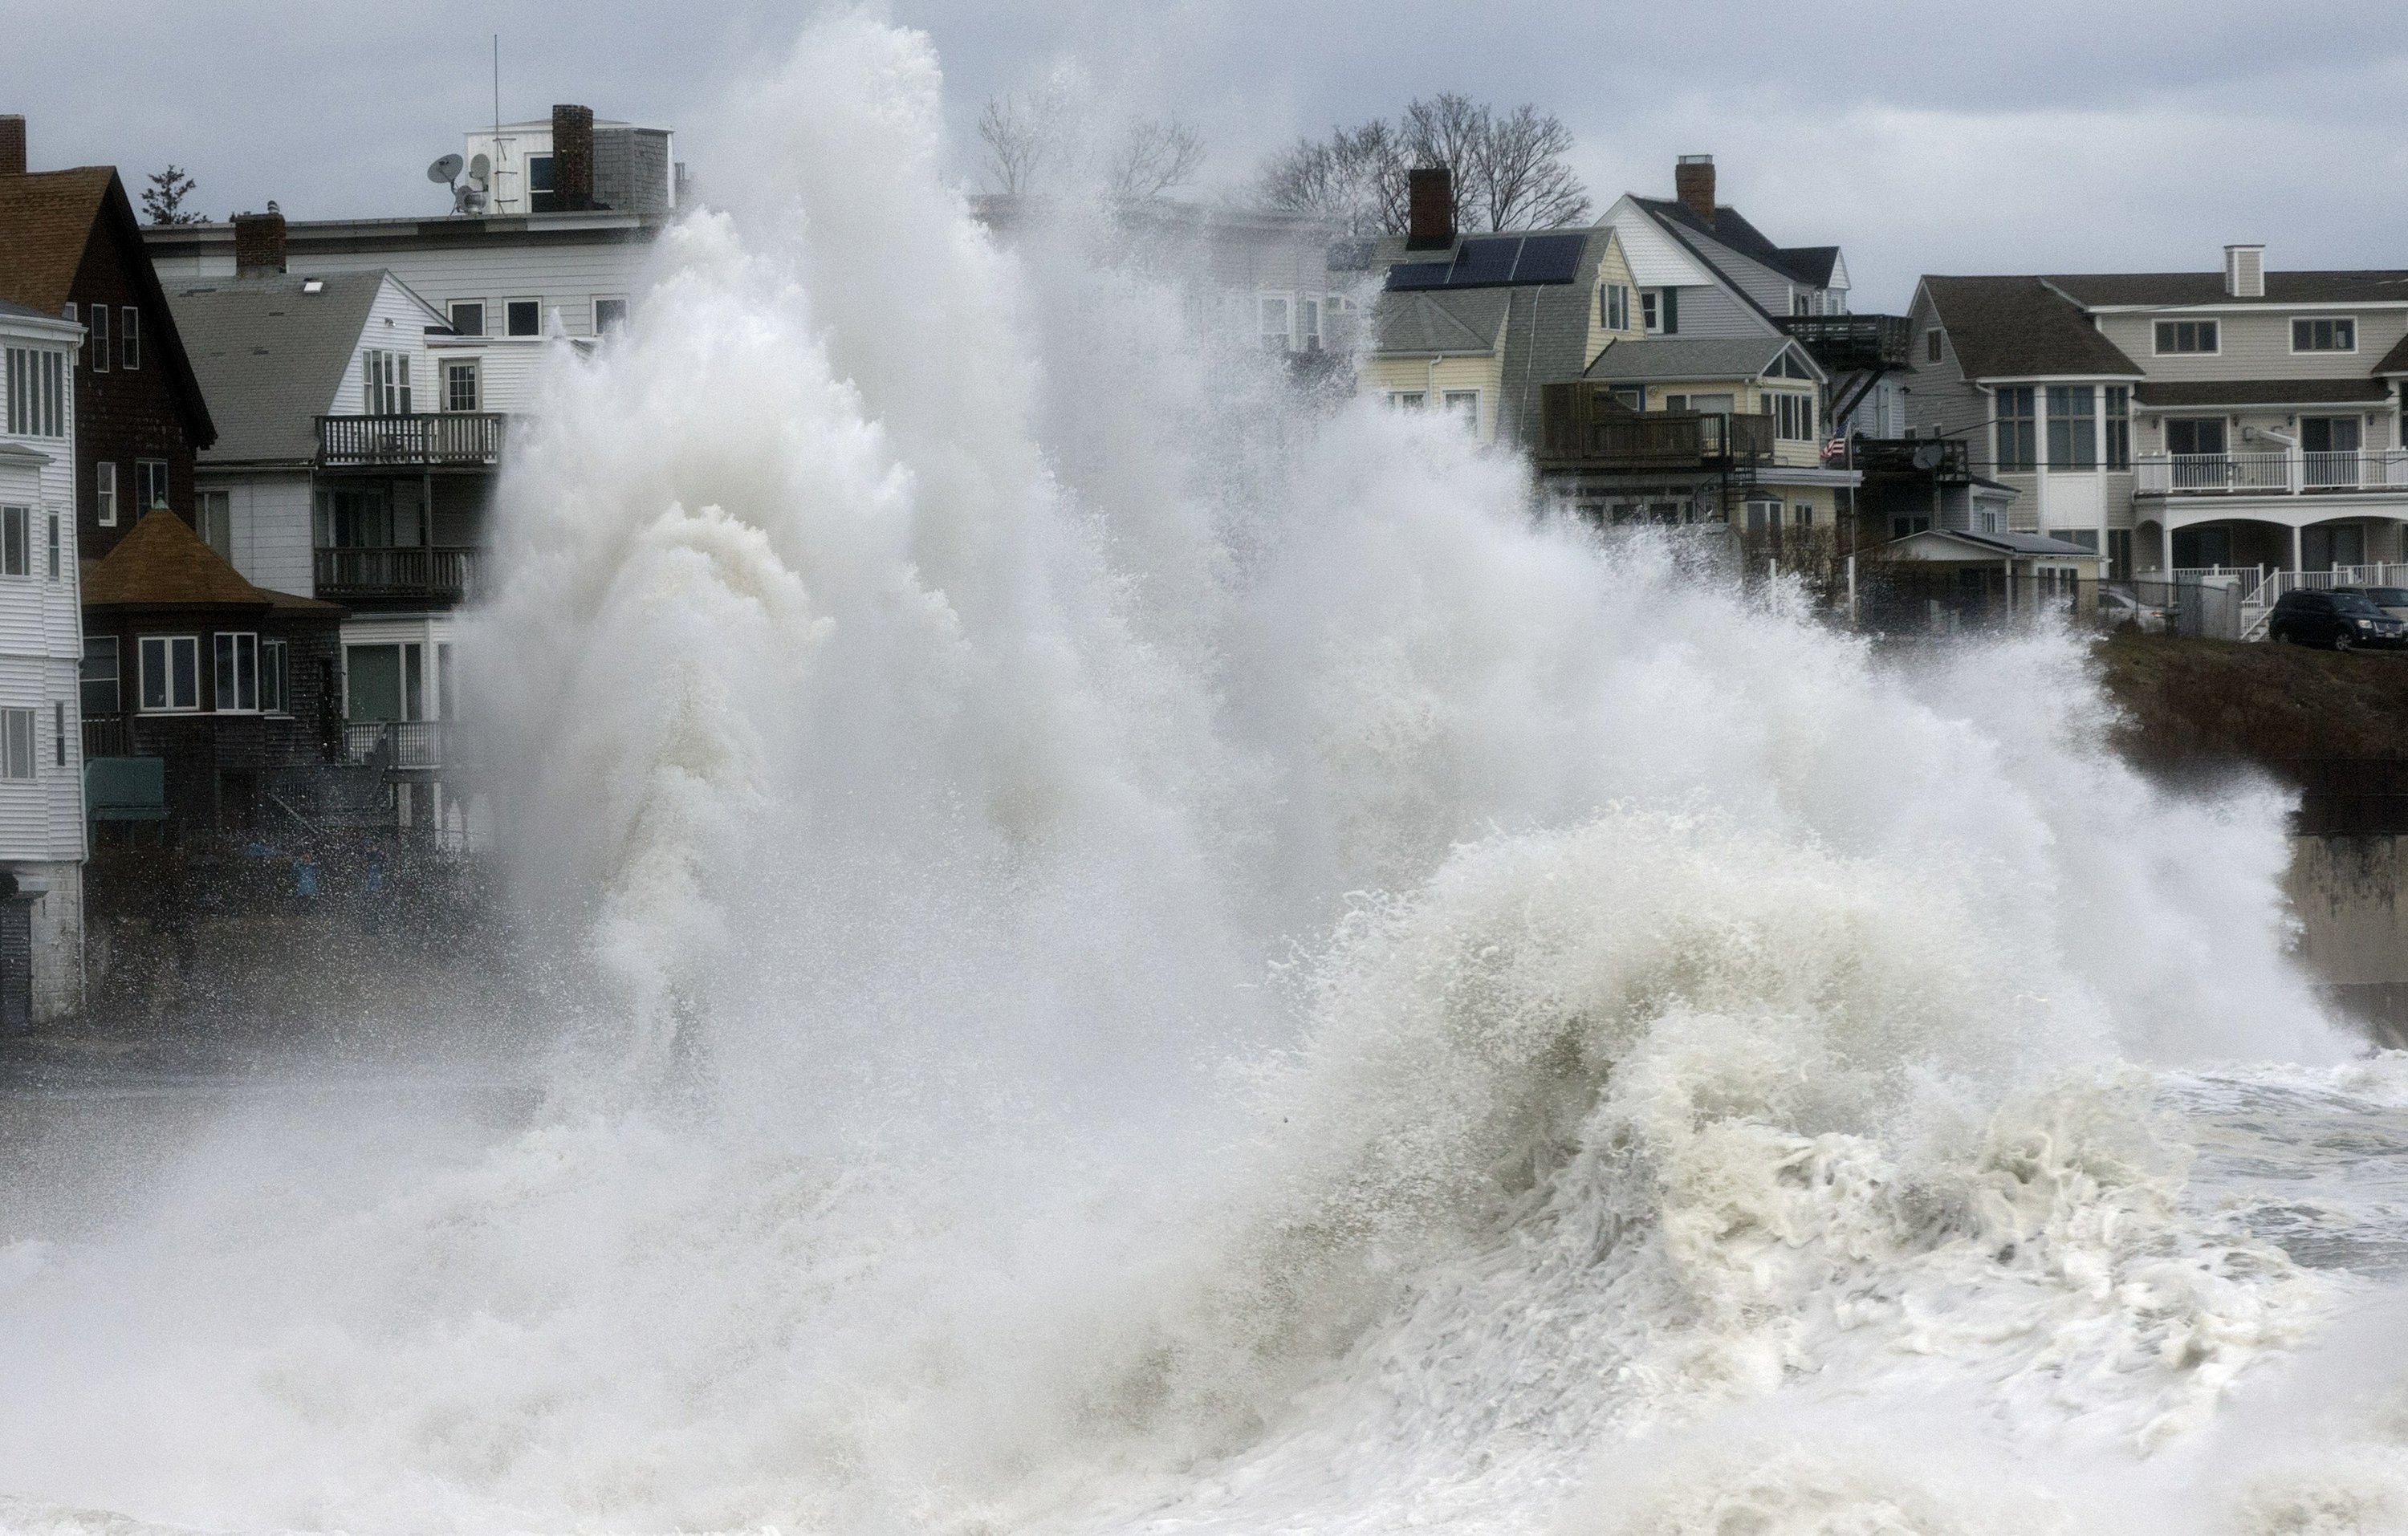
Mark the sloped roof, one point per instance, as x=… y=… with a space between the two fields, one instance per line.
x=2021 y=328
x=270 y=356
x=2176 y=289
x=161 y=563
x=1810 y=265
x=1464 y=320
x=2027 y=544
x=1668 y=359
x=2396 y=360
x=46 y=220
x=2262 y=392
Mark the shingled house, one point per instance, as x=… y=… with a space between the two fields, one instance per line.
x=232 y=686
x=69 y=246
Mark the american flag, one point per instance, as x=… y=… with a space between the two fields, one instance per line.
x=1836 y=449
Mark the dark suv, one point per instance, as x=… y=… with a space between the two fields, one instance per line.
x=2338 y=619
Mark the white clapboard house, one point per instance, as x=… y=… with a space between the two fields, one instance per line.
x=41 y=640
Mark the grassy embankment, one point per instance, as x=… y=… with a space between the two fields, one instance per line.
x=2198 y=703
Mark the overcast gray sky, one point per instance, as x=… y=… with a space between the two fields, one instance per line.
x=2041 y=136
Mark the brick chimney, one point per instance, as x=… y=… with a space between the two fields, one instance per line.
x=572 y=158
x=259 y=241
x=12 y=145
x=1429 y=203
x=1693 y=183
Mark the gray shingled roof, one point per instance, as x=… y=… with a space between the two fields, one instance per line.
x=2262 y=392
x=1461 y=320
x=7 y=308
x=1806 y=263
x=1673 y=359
x=2187 y=288
x=2396 y=360
x=2021 y=328
x=269 y=357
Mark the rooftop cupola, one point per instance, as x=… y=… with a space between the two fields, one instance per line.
x=2245 y=271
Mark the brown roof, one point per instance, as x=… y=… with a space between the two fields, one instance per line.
x=163 y=564
x=48 y=220
x=2263 y=392
x=2022 y=328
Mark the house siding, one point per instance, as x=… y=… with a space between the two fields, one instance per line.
x=2257 y=344
x=1383 y=375
x=123 y=415
x=269 y=521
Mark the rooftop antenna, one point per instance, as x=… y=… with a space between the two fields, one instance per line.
x=497 y=85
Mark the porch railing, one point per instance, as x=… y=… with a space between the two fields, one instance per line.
x=449 y=573
x=407 y=743
x=431 y=440
x=2269 y=474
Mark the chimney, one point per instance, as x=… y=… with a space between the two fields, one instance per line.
x=13 y=144
x=1430 y=205
x=2245 y=271
x=1693 y=183
x=259 y=241
x=572 y=158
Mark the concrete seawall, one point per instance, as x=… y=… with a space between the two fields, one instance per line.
x=2353 y=937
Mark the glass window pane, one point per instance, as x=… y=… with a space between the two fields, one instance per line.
x=373 y=675
x=184 y=663
x=155 y=674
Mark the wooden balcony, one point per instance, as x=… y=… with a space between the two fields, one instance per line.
x=1850 y=343
x=432 y=574
x=1583 y=427
x=442 y=440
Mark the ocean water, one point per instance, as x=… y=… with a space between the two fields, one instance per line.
x=1131 y=957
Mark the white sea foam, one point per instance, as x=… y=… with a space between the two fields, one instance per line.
x=1161 y=960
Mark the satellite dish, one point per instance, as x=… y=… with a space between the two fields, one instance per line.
x=479 y=170
x=1928 y=456
x=445 y=170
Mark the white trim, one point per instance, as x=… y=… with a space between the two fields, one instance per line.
x=2158 y=351
x=142 y=674
x=2298 y=351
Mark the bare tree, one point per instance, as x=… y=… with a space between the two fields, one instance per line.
x=1353 y=178
x=1153 y=158
x=1518 y=172
x=1022 y=135
x=163 y=200
x=1508 y=172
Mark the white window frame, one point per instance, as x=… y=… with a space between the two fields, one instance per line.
x=17 y=543
x=1408 y=400
x=1452 y=401
x=129 y=337
x=235 y=670
x=166 y=647
x=53 y=560
x=601 y=299
x=85 y=679
x=457 y=366
x=2312 y=321
x=2214 y=325
x=97 y=329
x=17 y=743
x=384 y=382
x=58 y=733
x=451 y=316
x=166 y=484
x=1651 y=310
x=275 y=678
x=103 y=490
x=535 y=335
x=37 y=392
x=1308 y=323
x=1284 y=337
x=1616 y=298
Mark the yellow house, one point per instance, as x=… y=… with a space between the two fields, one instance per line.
x=1473 y=327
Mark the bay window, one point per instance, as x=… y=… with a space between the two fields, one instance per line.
x=2072 y=426
x=2017 y=446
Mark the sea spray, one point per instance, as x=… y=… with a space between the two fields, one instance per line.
x=1217 y=978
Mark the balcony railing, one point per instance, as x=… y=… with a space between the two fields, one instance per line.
x=2269 y=474
x=1846 y=343
x=1582 y=423
x=435 y=573
x=433 y=440
x=408 y=744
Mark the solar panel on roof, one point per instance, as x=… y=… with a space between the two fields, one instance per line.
x=1484 y=264
x=1406 y=276
x=1549 y=258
